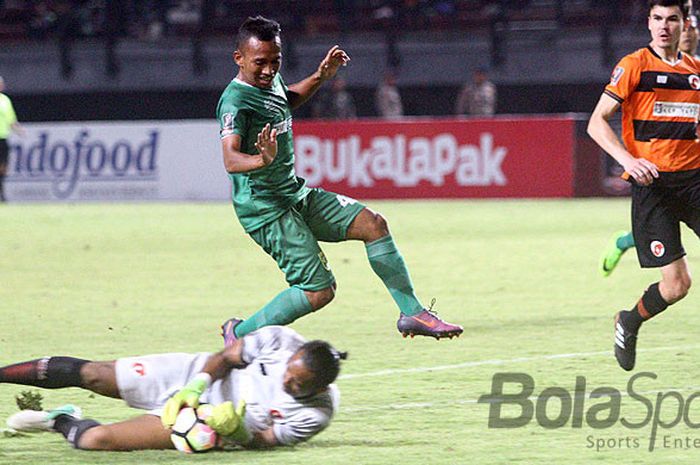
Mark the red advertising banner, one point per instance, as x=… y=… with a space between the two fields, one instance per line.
x=450 y=158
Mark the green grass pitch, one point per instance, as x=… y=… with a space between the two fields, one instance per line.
x=104 y=281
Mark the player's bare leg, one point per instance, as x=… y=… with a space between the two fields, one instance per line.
x=674 y=285
x=62 y=372
x=100 y=378
x=143 y=432
x=387 y=262
x=675 y=281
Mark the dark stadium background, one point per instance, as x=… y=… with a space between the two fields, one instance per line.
x=170 y=59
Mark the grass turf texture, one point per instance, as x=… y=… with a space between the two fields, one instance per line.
x=104 y=281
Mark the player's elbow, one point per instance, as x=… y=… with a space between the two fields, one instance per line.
x=591 y=128
x=234 y=165
x=230 y=166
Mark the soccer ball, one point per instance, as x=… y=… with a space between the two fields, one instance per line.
x=190 y=432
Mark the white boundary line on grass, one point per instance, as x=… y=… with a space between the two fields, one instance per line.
x=476 y=363
x=449 y=404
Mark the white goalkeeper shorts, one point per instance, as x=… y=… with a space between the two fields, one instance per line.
x=147 y=382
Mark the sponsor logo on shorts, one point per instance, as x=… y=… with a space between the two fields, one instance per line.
x=324 y=261
x=683 y=110
x=139 y=368
x=661 y=79
x=694 y=81
x=658 y=249
x=616 y=75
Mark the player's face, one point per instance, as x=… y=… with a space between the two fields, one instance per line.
x=298 y=379
x=259 y=61
x=665 y=25
x=689 y=41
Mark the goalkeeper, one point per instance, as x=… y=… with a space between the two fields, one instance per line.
x=269 y=388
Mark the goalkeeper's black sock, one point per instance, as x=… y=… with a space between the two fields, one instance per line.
x=72 y=429
x=650 y=305
x=47 y=372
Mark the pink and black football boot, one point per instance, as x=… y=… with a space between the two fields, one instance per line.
x=427 y=323
x=227 y=331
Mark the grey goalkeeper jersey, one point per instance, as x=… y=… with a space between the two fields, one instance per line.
x=267 y=351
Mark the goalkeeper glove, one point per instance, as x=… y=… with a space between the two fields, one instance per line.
x=229 y=422
x=186 y=397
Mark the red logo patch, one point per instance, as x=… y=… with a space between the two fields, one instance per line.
x=139 y=369
x=694 y=81
x=658 y=249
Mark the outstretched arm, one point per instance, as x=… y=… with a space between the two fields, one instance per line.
x=237 y=162
x=219 y=364
x=216 y=367
x=643 y=171
x=301 y=91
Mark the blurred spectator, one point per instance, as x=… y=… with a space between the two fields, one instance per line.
x=67 y=28
x=477 y=97
x=42 y=22
x=335 y=103
x=387 y=98
x=8 y=122
x=689 y=38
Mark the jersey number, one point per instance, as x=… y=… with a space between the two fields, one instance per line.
x=345 y=201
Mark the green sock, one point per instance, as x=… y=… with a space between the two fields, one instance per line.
x=286 y=307
x=388 y=264
x=625 y=242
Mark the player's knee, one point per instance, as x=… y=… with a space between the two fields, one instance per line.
x=378 y=226
x=98 y=377
x=90 y=374
x=678 y=288
x=319 y=299
x=97 y=438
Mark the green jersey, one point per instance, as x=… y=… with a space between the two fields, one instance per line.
x=265 y=194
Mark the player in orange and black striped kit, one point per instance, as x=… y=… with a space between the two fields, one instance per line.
x=658 y=89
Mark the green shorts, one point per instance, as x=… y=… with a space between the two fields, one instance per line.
x=292 y=239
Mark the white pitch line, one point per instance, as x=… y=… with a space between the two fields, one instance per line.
x=449 y=404
x=476 y=363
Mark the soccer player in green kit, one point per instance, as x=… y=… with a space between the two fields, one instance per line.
x=276 y=208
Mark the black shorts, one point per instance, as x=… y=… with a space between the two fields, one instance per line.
x=4 y=152
x=657 y=211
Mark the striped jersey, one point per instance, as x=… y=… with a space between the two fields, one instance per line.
x=660 y=108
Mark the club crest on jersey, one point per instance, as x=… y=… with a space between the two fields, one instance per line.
x=694 y=81
x=139 y=368
x=226 y=124
x=658 y=249
x=616 y=75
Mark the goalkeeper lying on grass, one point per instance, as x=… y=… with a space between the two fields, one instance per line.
x=280 y=384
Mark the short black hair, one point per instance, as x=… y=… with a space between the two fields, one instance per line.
x=323 y=361
x=682 y=4
x=259 y=27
